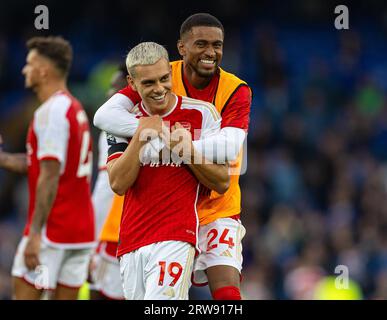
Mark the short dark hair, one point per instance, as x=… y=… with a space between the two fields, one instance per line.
x=57 y=49
x=200 y=20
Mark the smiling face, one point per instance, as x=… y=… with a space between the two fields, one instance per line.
x=202 y=50
x=153 y=83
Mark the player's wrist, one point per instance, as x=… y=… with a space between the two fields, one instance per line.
x=35 y=231
x=185 y=153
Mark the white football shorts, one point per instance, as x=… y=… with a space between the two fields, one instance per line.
x=159 y=271
x=220 y=243
x=66 y=267
x=106 y=275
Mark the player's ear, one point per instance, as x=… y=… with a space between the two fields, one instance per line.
x=181 y=47
x=43 y=71
x=131 y=82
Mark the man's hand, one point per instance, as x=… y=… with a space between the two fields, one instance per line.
x=16 y=162
x=179 y=141
x=149 y=127
x=31 y=252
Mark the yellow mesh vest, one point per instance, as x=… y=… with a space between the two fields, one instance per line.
x=217 y=205
x=111 y=226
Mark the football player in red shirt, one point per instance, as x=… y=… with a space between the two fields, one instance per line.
x=198 y=75
x=55 y=250
x=159 y=224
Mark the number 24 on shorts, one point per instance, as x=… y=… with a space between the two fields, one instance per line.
x=213 y=234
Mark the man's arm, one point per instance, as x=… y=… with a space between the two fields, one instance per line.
x=46 y=190
x=227 y=145
x=114 y=116
x=123 y=171
x=213 y=176
x=224 y=146
x=16 y=162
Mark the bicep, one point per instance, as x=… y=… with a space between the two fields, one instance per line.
x=115 y=116
x=237 y=112
x=110 y=165
x=49 y=169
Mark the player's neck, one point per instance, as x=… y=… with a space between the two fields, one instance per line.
x=45 y=91
x=197 y=81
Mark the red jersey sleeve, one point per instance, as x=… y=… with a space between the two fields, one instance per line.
x=131 y=94
x=236 y=113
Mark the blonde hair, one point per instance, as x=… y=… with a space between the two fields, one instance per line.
x=145 y=53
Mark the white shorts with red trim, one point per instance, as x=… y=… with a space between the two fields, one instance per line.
x=106 y=274
x=66 y=267
x=220 y=243
x=159 y=271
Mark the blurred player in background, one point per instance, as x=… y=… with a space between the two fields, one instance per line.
x=105 y=268
x=55 y=250
x=199 y=76
x=102 y=193
x=158 y=231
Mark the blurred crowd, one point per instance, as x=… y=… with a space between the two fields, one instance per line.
x=314 y=194
x=314 y=197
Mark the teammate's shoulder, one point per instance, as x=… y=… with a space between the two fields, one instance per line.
x=175 y=63
x=200 y=105
x=231 y=76
x=58 y=101
x=63 y=100
x=195 y=102
x=57 y=108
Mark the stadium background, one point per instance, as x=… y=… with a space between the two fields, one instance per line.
x=314 y=196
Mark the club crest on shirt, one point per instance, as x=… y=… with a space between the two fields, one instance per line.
x=186 y=125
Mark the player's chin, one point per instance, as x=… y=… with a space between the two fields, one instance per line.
x=28 y=84
x=158 y=104
x=205 y=73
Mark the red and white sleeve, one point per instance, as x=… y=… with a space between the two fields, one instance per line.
x=52 y=129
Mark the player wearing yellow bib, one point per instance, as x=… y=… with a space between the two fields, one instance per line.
x=199 y=76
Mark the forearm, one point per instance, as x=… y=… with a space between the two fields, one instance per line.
x=47 y=187
x=123 y=171
x=114 y=117
x=213 y=176
x=14 y=162
x=222 y=147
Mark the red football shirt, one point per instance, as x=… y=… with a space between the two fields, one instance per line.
x=60 y=131
x=161 y=204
